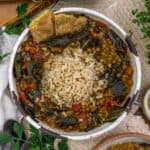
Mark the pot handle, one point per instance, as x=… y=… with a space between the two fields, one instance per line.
x=131 y=45
x=28 y=119
x=132 y=100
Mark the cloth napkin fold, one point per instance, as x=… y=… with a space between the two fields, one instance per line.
x=7 y=108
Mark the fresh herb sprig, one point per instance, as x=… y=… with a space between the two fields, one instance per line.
x=13 y=29
x=142 y=19
x=24 y=20
x=36 y=141
x=2 y=56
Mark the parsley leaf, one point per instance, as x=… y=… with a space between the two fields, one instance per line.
x=36 y=141
x=18 y=129
x=62 y=145
x=21 y=9
x=11 y=29
x=15 y=146
x=5 y=138
x=3 y=56
x=25 y=21
x=33 y=131
x=142 y=19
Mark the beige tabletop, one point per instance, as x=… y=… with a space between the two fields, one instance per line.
x=120 y=12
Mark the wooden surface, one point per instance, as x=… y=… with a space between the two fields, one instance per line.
x=8 y=13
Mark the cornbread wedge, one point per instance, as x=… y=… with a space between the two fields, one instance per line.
x=42 y=27
x=48 y=25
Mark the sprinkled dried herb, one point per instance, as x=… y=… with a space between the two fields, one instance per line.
x=142 y=19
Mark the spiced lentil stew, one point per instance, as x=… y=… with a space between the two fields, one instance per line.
x=91 y=64
x=130 y=146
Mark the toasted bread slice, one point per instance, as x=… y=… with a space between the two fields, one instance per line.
x=68 y=24
x=48 y=25
x=42 y=27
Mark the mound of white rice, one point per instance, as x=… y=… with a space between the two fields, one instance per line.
x=72 y=77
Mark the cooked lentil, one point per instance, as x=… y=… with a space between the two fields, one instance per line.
x=129 y=146
x=77 y=84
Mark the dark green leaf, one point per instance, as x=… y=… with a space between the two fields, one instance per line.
x=148 y=46
x=142 y=19
x=134 y=11
x=34 y=147
x=11 y=29
x=25 y=21
x=148 y=55
x=5 y=138
x=50 y=142
x=21 y=9
x=18 y=129
x=15 y=146
x=34 y=131
x=3 y=56
x=62 y=145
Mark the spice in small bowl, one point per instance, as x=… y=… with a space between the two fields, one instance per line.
x=148 y=102
x=146 y=105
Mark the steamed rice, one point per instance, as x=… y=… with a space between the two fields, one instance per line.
x=72 y=77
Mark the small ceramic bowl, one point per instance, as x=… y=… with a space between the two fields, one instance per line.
x=123 y=138
x=146 y=109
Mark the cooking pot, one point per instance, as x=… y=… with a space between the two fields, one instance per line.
x=131 y=97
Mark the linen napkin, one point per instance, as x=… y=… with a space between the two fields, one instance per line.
x=7 y=108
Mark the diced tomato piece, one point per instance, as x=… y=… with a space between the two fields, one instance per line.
x=22 y=96
x=82 y=117
x=93 y=34
x=31 y=50
x=102 y=25
x=30 y=85
x=40 y=55
x=57 y=49
x=109 y=103
x=25 y=65
x=129 y=70
x=76 y=107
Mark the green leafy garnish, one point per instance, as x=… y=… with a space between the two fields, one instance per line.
x=5 y=137
x=15 y=146
x=142 y=19
x=21 y=9
x=24 y=20
x=42 y=141
x=36 y=141
x=18 y=129
x=11 y=29
x=3 y=56
x=63 y=145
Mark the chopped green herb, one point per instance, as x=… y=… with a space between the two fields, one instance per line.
x=18 y=129
x=36 y=141
x=5 y=138
x=11 y=29
x=142 y=19
x=15 y=146
x=3 y=56
x=63 y=145
x=25 y=21
x=21 y=9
